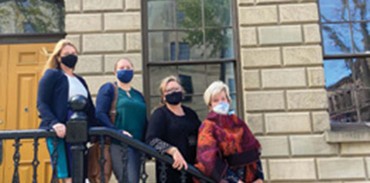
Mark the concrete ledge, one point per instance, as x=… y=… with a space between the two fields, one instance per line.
x=344 y=133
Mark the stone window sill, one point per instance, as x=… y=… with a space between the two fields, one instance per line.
x=346 y=133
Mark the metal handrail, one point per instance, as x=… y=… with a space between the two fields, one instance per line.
x=145 y=148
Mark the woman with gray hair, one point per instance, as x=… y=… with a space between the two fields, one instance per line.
x=227 y=151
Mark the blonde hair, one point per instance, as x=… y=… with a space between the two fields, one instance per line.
x=52 y=62
x=215 y=88
x=164 y=82
x=124 y=58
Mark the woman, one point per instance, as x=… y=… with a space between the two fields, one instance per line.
x=173 y=130
x=227 y=150
x=58 y=84
x=130 y=118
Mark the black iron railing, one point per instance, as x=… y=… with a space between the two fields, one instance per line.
x=77 y=135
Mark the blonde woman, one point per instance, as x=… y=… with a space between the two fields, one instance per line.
x=58 y=84
x=227 y=150
x=172 y=129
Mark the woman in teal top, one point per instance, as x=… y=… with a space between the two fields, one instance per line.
x=130 y=118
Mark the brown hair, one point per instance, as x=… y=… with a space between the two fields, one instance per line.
x=126 y=59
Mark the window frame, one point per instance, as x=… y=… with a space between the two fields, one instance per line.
x=236 y=60
x=336 y=57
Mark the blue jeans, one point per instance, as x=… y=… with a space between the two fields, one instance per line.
x=133 y=163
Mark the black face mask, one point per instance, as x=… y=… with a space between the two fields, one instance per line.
x=70 y=60
x=174 y=98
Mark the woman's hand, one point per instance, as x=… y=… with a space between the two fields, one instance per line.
x=258 y=181
x=60 y=130
x=179 y=161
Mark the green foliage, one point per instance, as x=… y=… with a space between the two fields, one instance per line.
x=210 y=33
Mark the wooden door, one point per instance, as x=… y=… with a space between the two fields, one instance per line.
x=24 y=63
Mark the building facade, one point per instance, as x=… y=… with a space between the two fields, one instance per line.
x=275 y=69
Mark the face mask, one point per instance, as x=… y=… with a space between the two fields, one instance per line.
x=222 y=108
x=70 y=61
x=125 y=76
x=174 y=98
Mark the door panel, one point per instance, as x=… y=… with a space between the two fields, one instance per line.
x=25 y=63
x=3 y=83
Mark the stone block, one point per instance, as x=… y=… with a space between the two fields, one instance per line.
x=251 y=79
x=255 y=122
x=292 y=169
x=126 y=21
x=133 y=41
x=307 y=145
x=256 y=15
x=288 y=122
x=320 y=120
x=76 y=40
x=259 y=57
x=316 y=77
x=264 y=100
x=131 y=5
x=248 y=36
x=307 y=99
x=274 y=146
x=281 y=78
x=72 y=5
x=303 y=55
x=280 y=34
x=341 y=168
x=274 y=1
x=91 y=22
x=362 y=148
x=103 y=42
x=312 y=33
x=100 y=5
x=298 y=13
x=89 y=64
x=245 y=2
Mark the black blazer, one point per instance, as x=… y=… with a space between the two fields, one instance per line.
x=52 y=99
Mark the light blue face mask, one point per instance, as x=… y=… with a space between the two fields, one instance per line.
x=222 y=108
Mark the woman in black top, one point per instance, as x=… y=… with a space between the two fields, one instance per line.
x=173 y=130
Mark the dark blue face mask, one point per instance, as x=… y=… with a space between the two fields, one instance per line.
x=125 y=76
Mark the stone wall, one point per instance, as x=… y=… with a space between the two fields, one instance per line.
x=104 y=31
x=285 y=97
x=283 y=81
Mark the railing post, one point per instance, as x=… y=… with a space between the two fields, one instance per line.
x=77 y=136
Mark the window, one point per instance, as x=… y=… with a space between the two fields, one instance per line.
x=345 y=27
x=192 y=39
x=31 y=16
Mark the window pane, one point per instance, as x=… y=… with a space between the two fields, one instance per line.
x=359 y=10
x=219 y=43
x=194 y=79
x=160 y=48
x=156 y=75
x=217 y=13
x=198 y=105
x=361 y=37
x=361 y=72
x=341 y=90
x=336 y=70
x=160 y=15
x=364 y=103
x=333 y=10
x=36 y=16
x=189 y=14
x=190 y=46
x=336 y=38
